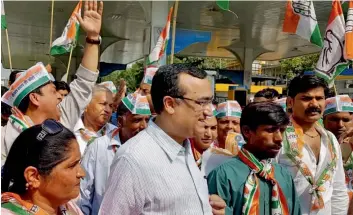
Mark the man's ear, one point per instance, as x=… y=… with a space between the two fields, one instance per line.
x=34 y=98
x=169 y=104
x=121 y=121
x=290 y=102
x=246 y=131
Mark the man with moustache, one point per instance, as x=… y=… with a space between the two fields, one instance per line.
x=94 y=120
x=311 y=153
x=205 y=135
x=251 y=183
x=228 y=119
x=134 y=113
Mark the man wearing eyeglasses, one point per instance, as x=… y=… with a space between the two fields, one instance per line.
x=155 y=172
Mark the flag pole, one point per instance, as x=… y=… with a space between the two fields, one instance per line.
x=68 y=65
x=8 y=48
x=334 y=88
x=51 y=27
x=173 y=33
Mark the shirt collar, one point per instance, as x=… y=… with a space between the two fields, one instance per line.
x=170 y=146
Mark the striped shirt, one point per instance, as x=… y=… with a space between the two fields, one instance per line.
x=153 y=174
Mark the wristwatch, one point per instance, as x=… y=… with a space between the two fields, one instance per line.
x=91 y=41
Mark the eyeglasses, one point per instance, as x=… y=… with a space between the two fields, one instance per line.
x=50 y=127
x=202 y=103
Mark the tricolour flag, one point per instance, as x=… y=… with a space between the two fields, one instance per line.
x=162 y=42
x=331 y=61
x=68 y=39
x=348 y=53
x=3 y=18
x=300 y=19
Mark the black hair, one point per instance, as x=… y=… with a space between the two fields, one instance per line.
x=265 y=113
x=24 y=104
x=166 y=82
x=12 y=77
x=267 y=93
x=303 y=83
x=3 y=90
x=62 y=85
x=122 y=109
x=27 y=151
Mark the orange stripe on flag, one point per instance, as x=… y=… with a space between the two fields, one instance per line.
x=291 y=19
x=349 y=34
x=336 y=11
x=72 y=30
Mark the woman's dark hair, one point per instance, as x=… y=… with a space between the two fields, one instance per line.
x=265 y=113
x=62 y=85
x=27 y=151
x=304 y=83
x=166 y=82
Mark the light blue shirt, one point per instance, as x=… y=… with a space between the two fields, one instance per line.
x=96 y=162
x=153 y=174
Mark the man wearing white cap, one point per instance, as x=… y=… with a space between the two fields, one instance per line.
x=34 y=98
x=134 y=113
x=228 y=118
x=338 y=118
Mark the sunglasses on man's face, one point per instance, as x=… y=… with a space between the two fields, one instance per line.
x=49 y=127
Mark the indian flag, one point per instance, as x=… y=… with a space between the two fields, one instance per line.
x=68 y=39
x=331 y=61
x=162 y=42
x=3 y=18
x=300 y=19
x=348 y=53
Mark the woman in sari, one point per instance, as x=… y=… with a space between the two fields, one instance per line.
x=42 y=172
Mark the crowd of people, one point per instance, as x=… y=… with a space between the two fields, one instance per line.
x=169 y=147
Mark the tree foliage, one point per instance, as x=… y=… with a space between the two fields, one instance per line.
x=293 y=66
x=133 y=76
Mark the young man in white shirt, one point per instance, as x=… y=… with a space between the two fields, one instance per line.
x=311 y=153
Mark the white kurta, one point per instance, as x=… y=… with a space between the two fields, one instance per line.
x=335 y=195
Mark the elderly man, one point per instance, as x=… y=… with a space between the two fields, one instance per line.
x=159 y=159
x=228 y=118
x=311 y=153
x=34 y=98
x=338 y=118
x=134 y=113
x=94 y=120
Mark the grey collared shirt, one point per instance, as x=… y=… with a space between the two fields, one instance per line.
x=153 y=174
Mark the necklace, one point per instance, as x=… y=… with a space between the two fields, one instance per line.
x=311 y=135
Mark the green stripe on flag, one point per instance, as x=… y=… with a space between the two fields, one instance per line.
x=58 y=50
x=3 y=22
x=316 y=37
x=223 y=4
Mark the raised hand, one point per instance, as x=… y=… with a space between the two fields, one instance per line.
x=92 y=19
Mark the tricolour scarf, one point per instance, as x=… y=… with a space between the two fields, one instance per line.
x=265 y=170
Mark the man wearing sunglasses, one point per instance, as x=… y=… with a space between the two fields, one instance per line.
x=155 y=171
x=34 y=97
